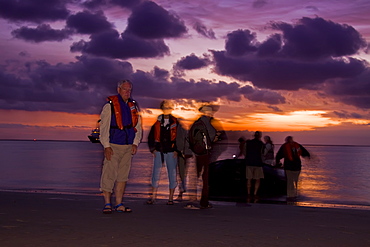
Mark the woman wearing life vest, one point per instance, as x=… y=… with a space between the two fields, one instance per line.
x=291 y=151
x=162 y=144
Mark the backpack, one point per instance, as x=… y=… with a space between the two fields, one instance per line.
x=199 y=141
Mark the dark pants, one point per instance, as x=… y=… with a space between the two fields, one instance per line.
x=203 y=166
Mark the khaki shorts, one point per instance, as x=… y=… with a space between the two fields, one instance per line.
x=254 y=172
x=116 y=169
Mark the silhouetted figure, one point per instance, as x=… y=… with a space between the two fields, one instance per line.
x=202 y=135
x=241 y=151
x=291 y=151
x=120 y=134
x=162 y=144
x=253 y=158
x=184 y=155
x=268 y=151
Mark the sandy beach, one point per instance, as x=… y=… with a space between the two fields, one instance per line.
x=35 y=219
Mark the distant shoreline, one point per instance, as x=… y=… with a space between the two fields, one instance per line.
x=229 y=143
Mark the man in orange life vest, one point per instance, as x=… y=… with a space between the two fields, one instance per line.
x=120 y=134
x=291 y=151
x=162 y=144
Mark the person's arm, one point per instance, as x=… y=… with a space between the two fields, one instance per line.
x=266 y=149
x=105 y=117
x=139 y=132
x=279 y=156
x=180 y=138
x=151 y=141
x=305 y=153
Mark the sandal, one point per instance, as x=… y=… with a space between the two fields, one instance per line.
x=107 y=208
x=125 y=210
x=170 y=203
x=150 y=202
x=206 y=207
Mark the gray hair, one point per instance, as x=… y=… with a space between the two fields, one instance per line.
x=119 y=84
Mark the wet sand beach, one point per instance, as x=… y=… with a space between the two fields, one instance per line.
x=36 y=219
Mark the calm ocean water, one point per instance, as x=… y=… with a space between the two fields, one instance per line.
x=336 y=176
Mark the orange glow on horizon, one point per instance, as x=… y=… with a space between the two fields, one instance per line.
x=292 y=121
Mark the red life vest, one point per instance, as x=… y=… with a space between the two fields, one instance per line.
x=118 y=113
x=173 y=129
x=291 y=149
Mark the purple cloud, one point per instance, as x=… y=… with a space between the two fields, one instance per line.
x=192 y=62
x=151 y=21
x=127 y=3
x=294 y=59
x=94 y=4
x=81 y=86
x=240 y=42
x=262 y=95
x=347 y=115
x=203 y=90
x=34 y=10
x=111 y=44
x=41 y=33
x=88 y=23
x=316 y=38
x=202 y=30
x=353 y=91
x=259 y=3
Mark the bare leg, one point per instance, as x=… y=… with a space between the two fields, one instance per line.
x=107 y=195
x=256 y=186
x=172 y=191
x=249 y=186
x=119 y=191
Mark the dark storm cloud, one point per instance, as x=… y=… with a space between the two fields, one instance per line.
x=270 y=46
x=151 y=21
x=148 y=86
x=82 y=86
x=73 y=87
x=111 y=44
x=348 y=115
x=262 y=95
x=305 y=55
x=88 y=23
x=202 y=30
x=192 y=62
x=316 y=38
x=94 y=4
x=34 y=10
x=161 y=73
x=240 y=42
x=274 y=108
x=353 y=91
x=41 y=33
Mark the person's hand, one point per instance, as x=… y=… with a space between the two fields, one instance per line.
x=175 y=154
x=134 y=149
x=108 y=152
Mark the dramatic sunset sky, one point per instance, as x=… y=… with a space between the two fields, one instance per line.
x=283 y=67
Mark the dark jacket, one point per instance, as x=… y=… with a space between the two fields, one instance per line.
x=166 y=142
x=291 y=155
x=254 y=151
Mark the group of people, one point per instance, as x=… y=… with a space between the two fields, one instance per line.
x=258 y=153
x=173 y=145
x=121 y=133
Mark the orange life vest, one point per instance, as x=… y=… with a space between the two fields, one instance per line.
x=291 y=149
x=118 y=113
x=173 y=129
